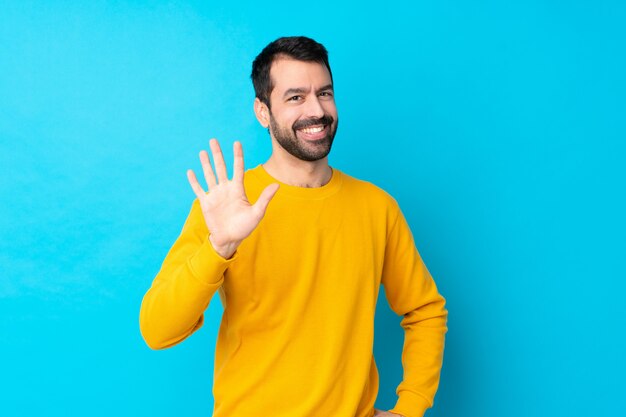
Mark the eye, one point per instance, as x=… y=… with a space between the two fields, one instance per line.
x=294 y=98
x=326 y=94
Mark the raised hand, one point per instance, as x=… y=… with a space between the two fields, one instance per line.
x=228 y=214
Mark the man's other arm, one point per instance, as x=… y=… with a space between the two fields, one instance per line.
x=412 y=293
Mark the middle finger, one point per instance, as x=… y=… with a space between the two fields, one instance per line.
x=218 y=160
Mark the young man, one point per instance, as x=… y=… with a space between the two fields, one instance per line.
x=297 y=251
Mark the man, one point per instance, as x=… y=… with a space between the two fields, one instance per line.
x=297 y=251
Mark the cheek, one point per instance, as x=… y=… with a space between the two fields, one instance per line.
x=331 y=110
x=283 y=117
x=288 y=118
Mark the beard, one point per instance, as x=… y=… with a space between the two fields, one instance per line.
x=305 y=150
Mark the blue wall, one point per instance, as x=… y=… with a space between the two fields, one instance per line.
x=498 y=126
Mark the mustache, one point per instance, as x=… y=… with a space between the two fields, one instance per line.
x=324 y=120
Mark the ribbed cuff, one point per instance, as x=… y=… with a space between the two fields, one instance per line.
x=410 y=405
x=207 y=265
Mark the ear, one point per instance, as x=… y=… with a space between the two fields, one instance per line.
x=262 y=112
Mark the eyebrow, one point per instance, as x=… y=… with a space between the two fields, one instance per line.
x=304 y=90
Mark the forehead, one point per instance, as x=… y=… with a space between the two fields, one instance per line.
x=288 y=73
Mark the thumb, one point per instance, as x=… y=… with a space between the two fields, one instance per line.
x=264 y=199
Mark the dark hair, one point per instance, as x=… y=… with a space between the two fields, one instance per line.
x=300 y=48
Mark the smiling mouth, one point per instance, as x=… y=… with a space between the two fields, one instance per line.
x=313 y=133
x=314 y=129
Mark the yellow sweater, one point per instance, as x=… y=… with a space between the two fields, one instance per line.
x=299 y=296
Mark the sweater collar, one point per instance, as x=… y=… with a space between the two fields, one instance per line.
x=315 y=193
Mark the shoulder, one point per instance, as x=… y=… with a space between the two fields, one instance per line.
x=372 y=194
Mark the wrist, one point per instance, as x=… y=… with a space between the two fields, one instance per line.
x=226 y=249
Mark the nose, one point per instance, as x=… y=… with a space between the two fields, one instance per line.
x=314 y=108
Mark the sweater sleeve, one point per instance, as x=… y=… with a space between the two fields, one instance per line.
x=173 y=308
x=412 y=293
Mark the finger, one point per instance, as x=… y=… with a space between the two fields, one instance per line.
x=264 y=199
x=207 y=169
x=195 y=186
x=218 y=161
x=238 y=163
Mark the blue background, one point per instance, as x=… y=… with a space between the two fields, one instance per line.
x=498 y=126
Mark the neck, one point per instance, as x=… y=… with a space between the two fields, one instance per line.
x=293 y=171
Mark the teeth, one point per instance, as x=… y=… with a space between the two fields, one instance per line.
x=313 y=129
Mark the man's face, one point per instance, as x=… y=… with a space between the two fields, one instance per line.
x=303 y=116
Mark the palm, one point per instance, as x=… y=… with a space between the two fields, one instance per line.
x=228 y=214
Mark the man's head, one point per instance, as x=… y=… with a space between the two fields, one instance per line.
x=295 y=97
